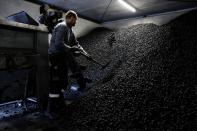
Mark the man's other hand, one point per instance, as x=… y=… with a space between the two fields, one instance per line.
x=75 y=48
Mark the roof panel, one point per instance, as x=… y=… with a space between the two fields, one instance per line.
x=110 y=10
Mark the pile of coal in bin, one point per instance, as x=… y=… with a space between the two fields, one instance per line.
x=150 y=83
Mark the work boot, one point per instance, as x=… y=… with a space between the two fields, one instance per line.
x=87 y=80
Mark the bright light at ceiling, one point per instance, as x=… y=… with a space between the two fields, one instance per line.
x=126 y=5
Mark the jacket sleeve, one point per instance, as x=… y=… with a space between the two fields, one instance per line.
x=76 y=42
x=61 y=32
x=79 y=46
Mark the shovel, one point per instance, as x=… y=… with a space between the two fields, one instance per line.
x=88 y=56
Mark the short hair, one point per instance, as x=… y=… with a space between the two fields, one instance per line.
x=70 y=14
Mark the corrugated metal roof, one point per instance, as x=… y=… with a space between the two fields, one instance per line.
x=109 y=10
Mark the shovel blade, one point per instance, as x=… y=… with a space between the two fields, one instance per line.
x=104 y=66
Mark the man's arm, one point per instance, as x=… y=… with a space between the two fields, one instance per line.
x=61 y=32
x=76 y=43
x=81 y=50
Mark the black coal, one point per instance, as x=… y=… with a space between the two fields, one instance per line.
x=150 y=83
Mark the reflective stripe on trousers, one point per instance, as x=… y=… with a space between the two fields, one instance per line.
x=54 y=95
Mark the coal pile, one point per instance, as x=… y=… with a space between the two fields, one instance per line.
x=150 y=83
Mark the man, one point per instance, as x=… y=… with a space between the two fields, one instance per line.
x=49 y=17
x=61 y=56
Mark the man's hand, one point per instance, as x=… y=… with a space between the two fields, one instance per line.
x=80 y=50
x=75 y=48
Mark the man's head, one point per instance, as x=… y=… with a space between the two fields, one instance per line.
x=71 y=18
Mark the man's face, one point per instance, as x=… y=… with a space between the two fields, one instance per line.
x=71 y=21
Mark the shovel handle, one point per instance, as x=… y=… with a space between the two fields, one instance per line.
x=92 y=59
